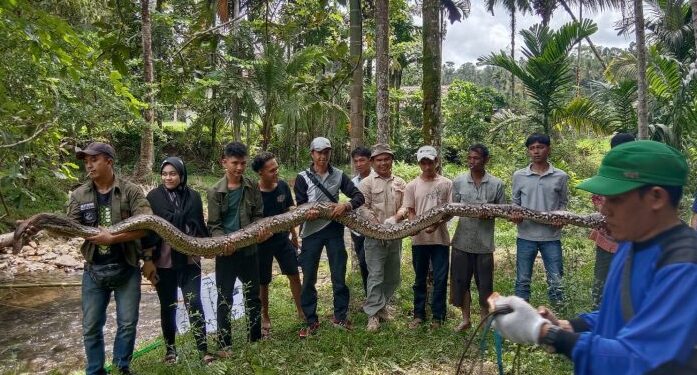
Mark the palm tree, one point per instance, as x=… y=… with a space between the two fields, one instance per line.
x=546 y=74
x=284 y=87
x=670 y=27
x=544 y=8
x=512 y=6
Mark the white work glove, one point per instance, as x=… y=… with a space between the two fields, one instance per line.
x=522 y=325
x=390 y=221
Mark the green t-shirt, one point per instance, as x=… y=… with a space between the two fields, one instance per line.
x=231 y=221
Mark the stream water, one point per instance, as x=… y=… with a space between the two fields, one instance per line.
x=41 y=327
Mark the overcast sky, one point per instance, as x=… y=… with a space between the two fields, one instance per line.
x=482 y=33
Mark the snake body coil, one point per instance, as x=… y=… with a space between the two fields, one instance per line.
x=212 y=246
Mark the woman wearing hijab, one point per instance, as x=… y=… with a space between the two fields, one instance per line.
x=174 y=201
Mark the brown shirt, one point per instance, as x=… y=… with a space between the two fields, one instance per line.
x=422 y=195
x=383 y=196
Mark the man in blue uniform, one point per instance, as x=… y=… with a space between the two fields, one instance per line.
x=646 y=322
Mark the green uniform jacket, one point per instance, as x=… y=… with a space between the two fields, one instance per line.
x=126 y=199
x=251 y=208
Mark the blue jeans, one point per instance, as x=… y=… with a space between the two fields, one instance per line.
x=552 y=259
x=95 y=300
x=439 y=258
x=310 y=253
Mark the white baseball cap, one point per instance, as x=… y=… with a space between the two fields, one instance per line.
x=426 y=152
x=319 y=144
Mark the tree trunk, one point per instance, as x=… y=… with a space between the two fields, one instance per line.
x=235 y=102
x=266 y=124
x=694 y=25
x=356 y=36
x=143 y=168
x=382 y=64
x=512 y=53
x=642 y=111
x=214 y=137
x=430 y=84
x=578 y=57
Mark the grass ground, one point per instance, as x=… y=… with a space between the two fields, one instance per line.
x=395 y=349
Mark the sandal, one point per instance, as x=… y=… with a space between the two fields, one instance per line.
x=415 y=323
x=265 y=329
x=207 y=359
x=463 y=326
x=170 y=358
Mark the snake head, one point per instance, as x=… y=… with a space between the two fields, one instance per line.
x=19 y=240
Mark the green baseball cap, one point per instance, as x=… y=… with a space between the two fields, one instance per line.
x=635 y=164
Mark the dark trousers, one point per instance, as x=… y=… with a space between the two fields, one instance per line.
x=438 y=256
x=188 y=278
x=603 y=259
x=359 y=248
x=243 y=265
x=310 y=253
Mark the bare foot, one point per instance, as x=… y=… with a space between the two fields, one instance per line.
x=463 y=326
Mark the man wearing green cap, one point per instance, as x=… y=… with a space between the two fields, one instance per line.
x=646 y=322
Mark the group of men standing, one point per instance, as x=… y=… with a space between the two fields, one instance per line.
x=389 y=200
x=235 y=201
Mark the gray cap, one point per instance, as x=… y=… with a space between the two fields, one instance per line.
x=96 y=148
x=319 y=144
x=380 y=148
x=426 y=152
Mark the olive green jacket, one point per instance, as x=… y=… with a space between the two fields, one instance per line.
x=251 y=208
x=126 y=199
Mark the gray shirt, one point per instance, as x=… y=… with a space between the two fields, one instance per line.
x=476 y=235
x=548 y=191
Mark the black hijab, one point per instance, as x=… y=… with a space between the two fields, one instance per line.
x=180 y=206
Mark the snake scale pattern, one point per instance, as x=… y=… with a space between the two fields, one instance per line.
x=212 y=246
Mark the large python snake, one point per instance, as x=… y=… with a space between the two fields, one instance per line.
x=211 y=246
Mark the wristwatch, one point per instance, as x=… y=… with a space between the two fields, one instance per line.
x=550 y=338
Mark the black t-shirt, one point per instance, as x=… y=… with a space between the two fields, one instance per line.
x=105 y=254
x=277 y=202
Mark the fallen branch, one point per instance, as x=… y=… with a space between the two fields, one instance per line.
x=6 y=240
